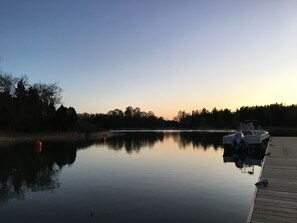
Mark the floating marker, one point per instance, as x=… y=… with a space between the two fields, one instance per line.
x=38 y=146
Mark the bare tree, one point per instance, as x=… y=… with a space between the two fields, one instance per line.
x=7 y=83
x=49 y=93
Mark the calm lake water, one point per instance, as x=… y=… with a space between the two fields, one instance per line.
x=134 y=177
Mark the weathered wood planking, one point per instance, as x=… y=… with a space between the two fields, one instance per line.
x=277 y=203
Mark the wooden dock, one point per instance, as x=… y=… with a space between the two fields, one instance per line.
x=277 y=202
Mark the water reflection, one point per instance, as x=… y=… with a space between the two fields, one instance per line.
x=24 y=169
x=243 y=160
x=203 y=140
x=180 y=173
x=134 y=141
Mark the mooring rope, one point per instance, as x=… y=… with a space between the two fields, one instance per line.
x=263 y=182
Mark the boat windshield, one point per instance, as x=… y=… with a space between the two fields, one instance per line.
x=247 y=128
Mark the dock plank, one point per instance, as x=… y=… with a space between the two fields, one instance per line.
x=278 y=201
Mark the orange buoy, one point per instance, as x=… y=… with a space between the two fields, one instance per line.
x=38 y=146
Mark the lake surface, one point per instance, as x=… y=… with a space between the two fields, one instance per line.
x=157 y=176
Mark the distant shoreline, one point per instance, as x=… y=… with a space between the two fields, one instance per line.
x=73 y=136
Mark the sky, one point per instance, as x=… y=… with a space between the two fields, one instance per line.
x=159 y=55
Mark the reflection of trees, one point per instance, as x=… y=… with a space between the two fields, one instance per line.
x=22 y=170
x=134 y=141
x=200 y=139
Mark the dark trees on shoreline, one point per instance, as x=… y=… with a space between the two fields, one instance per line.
x=274 y=115
x=131 y=118
x=32 y=108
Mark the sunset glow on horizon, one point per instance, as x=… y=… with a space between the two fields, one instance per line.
x=161 y=56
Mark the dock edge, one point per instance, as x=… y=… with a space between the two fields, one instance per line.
x=251 y=211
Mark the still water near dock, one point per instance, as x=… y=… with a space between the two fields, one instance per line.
x=161 y=176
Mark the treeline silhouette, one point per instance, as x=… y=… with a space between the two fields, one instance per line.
x=32 y=108
x=131 y=118
x=274 y=115
x=37 y=107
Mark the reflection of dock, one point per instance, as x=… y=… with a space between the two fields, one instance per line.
x=277 y=202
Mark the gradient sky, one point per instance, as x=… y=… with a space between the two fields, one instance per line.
x=159 y=55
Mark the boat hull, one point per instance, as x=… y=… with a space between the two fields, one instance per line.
x=256 y=142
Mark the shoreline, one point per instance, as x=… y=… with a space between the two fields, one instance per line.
x=64 y=136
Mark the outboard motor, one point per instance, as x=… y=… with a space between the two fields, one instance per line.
x=239 y=138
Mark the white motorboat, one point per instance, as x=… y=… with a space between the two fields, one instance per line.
x=247 y=138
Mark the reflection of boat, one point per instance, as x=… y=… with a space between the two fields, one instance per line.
x=243 y=161
x=247 y=138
